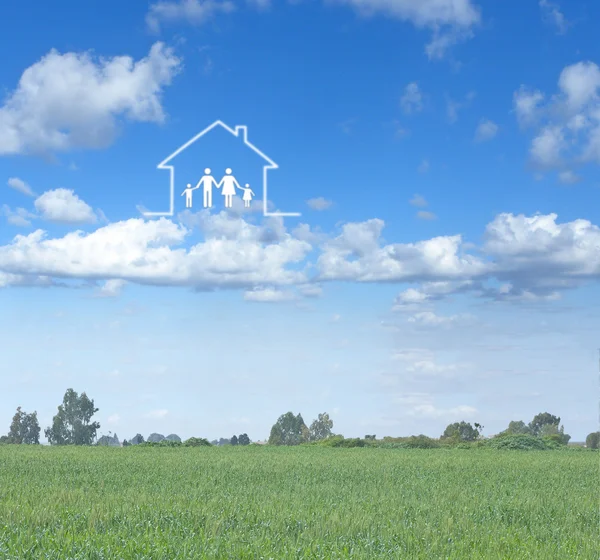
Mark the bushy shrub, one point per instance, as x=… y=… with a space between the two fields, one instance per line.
x=420 y=442
x=340 y=441
x=163 y=443
x=517 y=441
x=554 y=441
x=592 y=441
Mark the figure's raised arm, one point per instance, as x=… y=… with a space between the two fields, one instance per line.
x=237 y=184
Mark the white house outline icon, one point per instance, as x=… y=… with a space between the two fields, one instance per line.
x=238 y=131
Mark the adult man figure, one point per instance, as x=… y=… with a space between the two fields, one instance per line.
x=207 y=182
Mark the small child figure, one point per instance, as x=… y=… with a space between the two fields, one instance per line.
x=188 y=195
x=248 y=194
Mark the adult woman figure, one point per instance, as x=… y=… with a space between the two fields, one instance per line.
x=229 y=184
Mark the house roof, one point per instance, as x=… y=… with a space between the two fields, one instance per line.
x=238 y=132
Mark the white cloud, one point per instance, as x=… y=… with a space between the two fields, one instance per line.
x=234 y=254
x=453 y=107
x=424 y=215
x=566 y=125
x=319 y=203
x=430 y=319
x=568 y=177
x=356 y=254
x=20 y=185
x=310 y=290
x=423 y=166
x=527 y=103
x=450 y=20
x=429 y=292
x=455 y=413
x=422 y=405
x=111 y=288
x=552 y=14
x=418 y=200
x=535 y=255
x=70 y=100
x=64 y=206
x=195 y=12
x=486 y=130
x=113 y=419
x=19 y=217
x=269 y=295
x=412 y=100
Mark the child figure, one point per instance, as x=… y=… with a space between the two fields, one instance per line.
x=248 y=194
x=188 y=195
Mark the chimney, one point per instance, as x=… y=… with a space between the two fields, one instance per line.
x=241 y=132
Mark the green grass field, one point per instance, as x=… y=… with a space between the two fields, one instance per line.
x=307 y=502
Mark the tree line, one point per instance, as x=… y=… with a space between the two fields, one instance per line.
x=73 y=425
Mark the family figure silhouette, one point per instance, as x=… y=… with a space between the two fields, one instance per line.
x=229 y=184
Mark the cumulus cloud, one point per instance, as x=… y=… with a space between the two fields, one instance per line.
x=430 y=319
x=111 y=288
x=269 y=295
x=72 y=100
x=151 y=252
x=486 y=130
x=566 y=125
x=521 y=258
x=533 y=253
x=20 y=185
x=319 y=203
x=64 y=206
x=356 y=254
x=19 y=217
x=451 y=21
x=194 y=12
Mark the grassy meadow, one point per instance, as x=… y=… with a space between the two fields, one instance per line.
x=305 y=502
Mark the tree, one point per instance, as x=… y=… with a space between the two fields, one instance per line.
x=244 y=439
x=288 y=430
x=592 y=441
x=24 y=428
x=542 y=419
x=517 y=427
x=233 y=440
x=460 y=431
x=371 y=437
x=71 y=425
x=549 y=430
x=320 y=428
x=126 y=443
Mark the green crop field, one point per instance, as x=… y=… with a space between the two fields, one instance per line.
x=303 y=502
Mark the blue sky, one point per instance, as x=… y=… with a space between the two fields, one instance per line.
x=443 y=155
